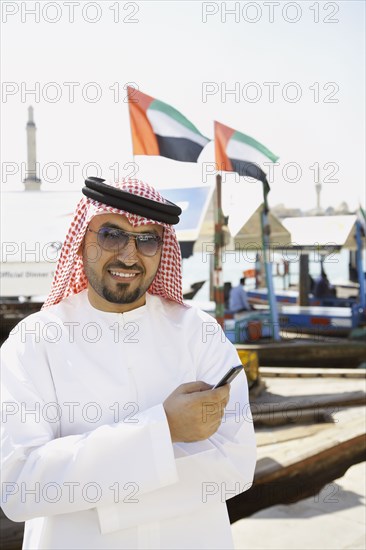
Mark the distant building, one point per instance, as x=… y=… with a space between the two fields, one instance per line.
x=342 y=209
x=281 y=211
x=314 y=212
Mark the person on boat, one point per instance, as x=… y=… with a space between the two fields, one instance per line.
x=322 y=286
x=238 y=301
x=311 y=284
x=227 y=289
x=113 y=436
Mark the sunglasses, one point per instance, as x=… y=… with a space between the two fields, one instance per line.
x=113 y=240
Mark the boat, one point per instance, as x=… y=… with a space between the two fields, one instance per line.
x=307 y=440
x=259 y=296
x=308 y=353
x=190 y=293
x=294 y=319
x=12 y=311
x=343 y=308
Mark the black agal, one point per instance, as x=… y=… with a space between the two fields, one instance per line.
x=167 y=212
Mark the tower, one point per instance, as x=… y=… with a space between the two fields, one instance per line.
x=318 y=189
x=31 y=182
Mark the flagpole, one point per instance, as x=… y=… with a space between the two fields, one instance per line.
x=266 y=231
x=218 y=275
x=361 y=276
x=130 y=119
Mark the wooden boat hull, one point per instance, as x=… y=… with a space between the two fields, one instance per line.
x=310 y=429
x=308 y=353
x=12 y=312
x=300 y=480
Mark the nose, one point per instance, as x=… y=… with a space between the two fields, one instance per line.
x=128 y=254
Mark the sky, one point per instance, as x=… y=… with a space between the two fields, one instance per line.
x=289 y=74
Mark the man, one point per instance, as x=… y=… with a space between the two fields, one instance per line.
x=113 y=437
x=322 y=286
x=238 y=301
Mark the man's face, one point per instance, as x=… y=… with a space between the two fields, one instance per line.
x=118 y=280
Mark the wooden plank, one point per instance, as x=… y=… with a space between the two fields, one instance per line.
x=299 y=468
x=272 y=459
x=297 y=402
x=306 y=372
x=335 y=353
x=299 y=483
x=291 y=417
x=280 y=435
x=278 y=389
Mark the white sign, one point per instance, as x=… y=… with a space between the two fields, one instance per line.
x=26 y=279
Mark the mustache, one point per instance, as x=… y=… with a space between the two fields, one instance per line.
x=121 y=265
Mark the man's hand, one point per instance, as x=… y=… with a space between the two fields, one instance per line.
x=194 y=411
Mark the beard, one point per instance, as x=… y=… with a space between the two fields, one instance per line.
x=121 y=293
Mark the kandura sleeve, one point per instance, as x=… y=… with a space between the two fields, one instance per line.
x=43 y=474
x=209 y=471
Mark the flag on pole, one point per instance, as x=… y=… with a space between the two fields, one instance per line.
x=159 y=129
x=237 y=152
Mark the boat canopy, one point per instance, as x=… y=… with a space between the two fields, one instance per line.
x=241 y=202
x=327 y=232
x=250 y=234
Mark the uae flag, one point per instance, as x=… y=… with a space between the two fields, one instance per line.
x=236 y=152
x=159 y=129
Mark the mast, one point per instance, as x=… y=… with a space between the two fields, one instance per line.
x=217 y=274
x=266 y=230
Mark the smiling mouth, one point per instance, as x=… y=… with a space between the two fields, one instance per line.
x=123 y=276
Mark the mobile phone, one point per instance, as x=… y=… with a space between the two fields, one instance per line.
x=229 y=376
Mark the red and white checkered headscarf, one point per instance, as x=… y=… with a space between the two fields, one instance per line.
x=70 y=277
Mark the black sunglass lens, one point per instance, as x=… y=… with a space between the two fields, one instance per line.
x=147 y=245
x=112 y=239
x=115 y=239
